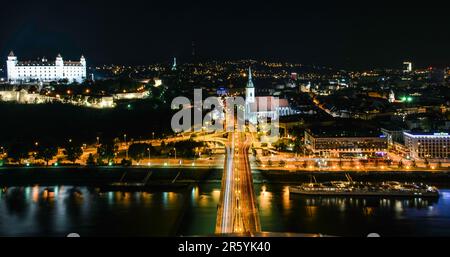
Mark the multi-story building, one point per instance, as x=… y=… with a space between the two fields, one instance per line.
x=327 y=143
x=44 y=70
x=393 y=135
x=428 y=145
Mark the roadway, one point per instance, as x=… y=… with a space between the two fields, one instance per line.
x=237 y=210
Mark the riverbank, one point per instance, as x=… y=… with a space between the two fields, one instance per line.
x=99 y=176
x=277 y=176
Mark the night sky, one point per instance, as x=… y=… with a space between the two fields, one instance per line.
x=341 y=35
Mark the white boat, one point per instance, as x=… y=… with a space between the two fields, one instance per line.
x=351 y=188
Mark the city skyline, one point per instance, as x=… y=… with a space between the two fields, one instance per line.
x=342 y=35
x=222 y=121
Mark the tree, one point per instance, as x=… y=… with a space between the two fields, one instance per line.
x=46 y=153
x=304 y=164
x=185 y=148
x=73 y=152
x=125 y=162
x=107 y=150
x=90 y=160
x=258 y=162
x=18 y=152
x=138 y=151
x=282 y=163
x=400 y=164
x=388 y=162
x=269 y=162
x=280 y=145
x=298 y=144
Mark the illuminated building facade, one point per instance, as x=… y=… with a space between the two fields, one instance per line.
x=45 y=70
x=335 y=145
x=428 y=145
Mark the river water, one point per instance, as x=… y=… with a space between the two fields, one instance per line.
x=31 y=211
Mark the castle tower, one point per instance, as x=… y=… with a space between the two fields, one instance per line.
x=82 y=60
x=83 y=63
x=11 y=67
x=59 y=67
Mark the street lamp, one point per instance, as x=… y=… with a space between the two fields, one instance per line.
x=175 y=152
x=148 y=149
x=126 y=148
x=98 y=140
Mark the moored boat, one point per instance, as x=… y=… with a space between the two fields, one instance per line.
x=351 y=188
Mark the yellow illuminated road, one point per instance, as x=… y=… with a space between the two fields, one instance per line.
x=237 y=210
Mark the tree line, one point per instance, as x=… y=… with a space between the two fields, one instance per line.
x=106 y=153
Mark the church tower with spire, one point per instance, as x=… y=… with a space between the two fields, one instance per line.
x=250 y=99
x=250 y=89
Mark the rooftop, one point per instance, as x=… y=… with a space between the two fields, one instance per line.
x=344 y=130
x=267 y=103
x=46 y=63
x=427 y=134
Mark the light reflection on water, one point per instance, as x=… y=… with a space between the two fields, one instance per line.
x=35 y=210
x=59 y=210
x=352 y=216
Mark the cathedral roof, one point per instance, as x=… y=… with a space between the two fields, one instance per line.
x=267 y=103
x=11 y=54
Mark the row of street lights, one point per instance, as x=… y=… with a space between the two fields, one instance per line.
x=148 y=149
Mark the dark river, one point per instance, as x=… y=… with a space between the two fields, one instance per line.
x=30 y=211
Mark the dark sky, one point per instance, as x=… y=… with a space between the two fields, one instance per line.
x=340 y=34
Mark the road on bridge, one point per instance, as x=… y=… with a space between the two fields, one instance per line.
x=237 y=210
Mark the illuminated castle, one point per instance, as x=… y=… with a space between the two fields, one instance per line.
x=44 y=70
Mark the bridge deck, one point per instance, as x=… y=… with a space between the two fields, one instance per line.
x=237 y=210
